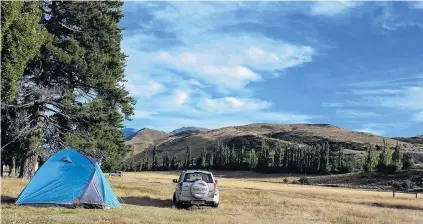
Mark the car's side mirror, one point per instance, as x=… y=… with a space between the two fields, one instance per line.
x=215 y=181
x=175 y=180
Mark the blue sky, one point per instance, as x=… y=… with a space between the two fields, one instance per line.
x=357 y=65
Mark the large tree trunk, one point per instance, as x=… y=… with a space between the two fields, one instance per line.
x=12 y=168
x=29 y=164
x=30 y=159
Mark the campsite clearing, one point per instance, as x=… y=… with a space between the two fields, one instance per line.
x=147 y=198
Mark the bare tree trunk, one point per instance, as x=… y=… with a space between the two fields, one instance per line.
x=12 y=167
x=2 y=168
x=30 y=159
x=29 y=164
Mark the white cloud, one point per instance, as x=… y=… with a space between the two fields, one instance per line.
x=372 y=131
x=143 y=114
x=195 y=82
x=375 y=91
x=331 y=8
x=232 y=104
x=147 y=89
x=355 y=113
x=418 y=116
x=178 y=98
x=229 y=63
x=417 y=5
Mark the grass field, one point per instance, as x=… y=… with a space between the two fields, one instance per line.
x=147 y=199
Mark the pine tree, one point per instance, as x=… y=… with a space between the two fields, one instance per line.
x=253 y=159
x=370 y=160
x=210 y=160
x=146 y=163
x=154 y=165
x=187 y=163
x=397 y=156
x=203 y=158
x=173 y=164
x=385 y=157
x=340 y=158
x=277 y=158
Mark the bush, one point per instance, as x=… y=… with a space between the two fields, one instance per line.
x=408 y=162
x=285 y=180
x=304 y=180
x=396 y=185
x=392 y=168
x=407 y=184
x=295 y=182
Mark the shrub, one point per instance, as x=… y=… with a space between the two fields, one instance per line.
x=407 y=184
x=285 y=180
x=396 y=185
x=295 y=182
x=408 y=162
x=304 y=180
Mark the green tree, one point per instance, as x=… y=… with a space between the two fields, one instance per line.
x=154 y=165
x=146 y=163
x=397 y=156
x=385 y=157
x=370 y=160
x=188 y=162
x=277 y=158
x=407 y=161
x=173 y=165
x=203 y=158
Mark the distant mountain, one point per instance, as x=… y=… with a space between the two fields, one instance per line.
x=183 y=129
x=144 y=138
x=129 y=132
x=252 y=136
x=416 y=139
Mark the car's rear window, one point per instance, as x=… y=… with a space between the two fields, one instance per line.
x=192 y=177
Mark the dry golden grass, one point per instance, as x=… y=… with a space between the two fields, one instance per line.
x=147 y=198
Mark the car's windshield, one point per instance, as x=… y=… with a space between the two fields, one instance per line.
x=192 y=177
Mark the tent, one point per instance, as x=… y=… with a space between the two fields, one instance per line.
x=69 y=178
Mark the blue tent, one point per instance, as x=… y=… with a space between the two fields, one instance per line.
x=71 y=179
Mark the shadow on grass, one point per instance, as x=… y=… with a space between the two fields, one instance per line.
x=396 y=206
x=147 y=201
x=7 y=200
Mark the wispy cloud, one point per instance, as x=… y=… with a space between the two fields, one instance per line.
x=232 y=104
x=355 y=113
x=332 y=8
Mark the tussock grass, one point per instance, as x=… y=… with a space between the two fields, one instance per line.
x=147 y=199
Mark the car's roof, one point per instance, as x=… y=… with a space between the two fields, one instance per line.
x=196 y=171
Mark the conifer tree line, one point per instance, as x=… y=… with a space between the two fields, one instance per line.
x=62 y=76
x=317 y=159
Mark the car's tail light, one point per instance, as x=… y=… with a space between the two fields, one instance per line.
x=179 y=186
x=215 y=186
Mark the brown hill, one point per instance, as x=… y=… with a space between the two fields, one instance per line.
x=415 y=140
x=251 y=136
x=144 y=138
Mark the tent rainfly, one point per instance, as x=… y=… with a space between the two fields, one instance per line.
x=68 y=178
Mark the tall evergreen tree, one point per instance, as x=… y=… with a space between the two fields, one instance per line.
x=370 y=160
x=173 y=163
x=154 y=165
x=385 y=157
x=203 y=158
x=397 y=156
x=277 y=158
x=146 y=163
x=188 y=162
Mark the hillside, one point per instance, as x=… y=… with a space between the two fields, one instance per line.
x=144 y=138
x=415 y=140
x=183 y=129
x=128 y=132
x=252 y=135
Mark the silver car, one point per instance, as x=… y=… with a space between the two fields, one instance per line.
x=196 y=187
